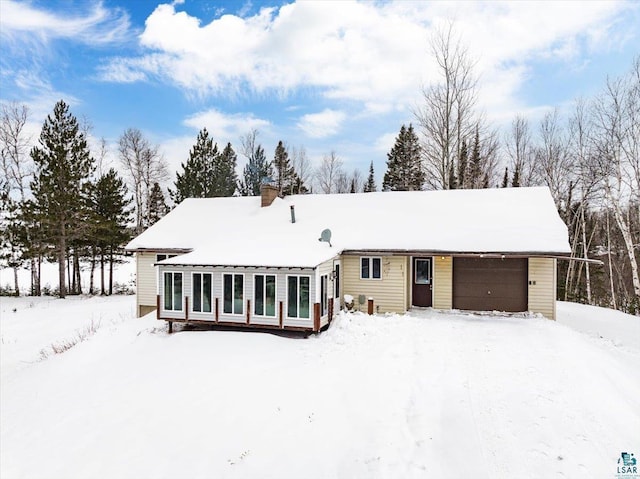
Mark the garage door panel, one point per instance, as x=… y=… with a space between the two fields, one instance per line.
x=490 y=284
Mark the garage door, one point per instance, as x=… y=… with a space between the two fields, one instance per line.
x=482 y=284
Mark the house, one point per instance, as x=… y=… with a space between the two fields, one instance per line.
x=287 y=263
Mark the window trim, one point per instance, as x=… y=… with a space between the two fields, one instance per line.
x=370 y=277
x=173 y=310
x=192 y=302
x=310 y=318
x=275 y=311
x=233 y=290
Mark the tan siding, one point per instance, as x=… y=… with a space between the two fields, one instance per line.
x=442 y=282
x=146 y=287
x=409 y=283
x=542 y=294
x=324 y=268
x=388 y=293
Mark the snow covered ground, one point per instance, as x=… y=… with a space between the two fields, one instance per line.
x=427 y=394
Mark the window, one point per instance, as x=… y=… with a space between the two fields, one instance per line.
x=201 y=289
x=160 y=257
x=298 y=297
x=232 y=293
x=423 y=271
x=370 y=268
x=324 y=302
x=172 y=291
x=264 y=294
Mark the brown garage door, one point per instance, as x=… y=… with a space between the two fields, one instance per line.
x=482 y=284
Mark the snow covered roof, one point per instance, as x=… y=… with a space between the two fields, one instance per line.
x=237 y=231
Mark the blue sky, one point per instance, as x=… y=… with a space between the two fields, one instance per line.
x=325 y=75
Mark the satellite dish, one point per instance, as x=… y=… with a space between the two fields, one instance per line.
x=325 y=236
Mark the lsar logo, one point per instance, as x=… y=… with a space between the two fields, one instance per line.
x=627 y=468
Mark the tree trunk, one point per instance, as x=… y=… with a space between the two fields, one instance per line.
x=613 y=293
x=39 y=276
x=585 y=251
x=34 y=277
x=102 y=273
x=628 y=242
x=76 y=269
x=62 y=250
x=111 y=271
x=15 y=281
x=68 y=285
x=93 y=268
x=570 y=268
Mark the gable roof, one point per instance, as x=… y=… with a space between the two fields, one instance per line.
x=238 y=232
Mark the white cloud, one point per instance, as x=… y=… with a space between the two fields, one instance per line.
x=375 y=54
x=38 y=94
x=121 y=71
x=323 y=124
x=21 y=21
x=226 y=128
x=385 y=142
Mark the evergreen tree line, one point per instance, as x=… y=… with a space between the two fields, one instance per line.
x=65 y=212
x=210 y=172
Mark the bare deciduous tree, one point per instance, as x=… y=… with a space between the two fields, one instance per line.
x=328 y=173
x=16 y=165
x=553 y=166
x=144 y=166
x=16 y=168
x=447 y=115
x=301 y=165
x=617 y=125
x=519 y=151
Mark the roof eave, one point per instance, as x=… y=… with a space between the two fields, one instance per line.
x=436 y=252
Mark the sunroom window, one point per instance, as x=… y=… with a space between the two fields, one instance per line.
x=172 y=291
x=201 y=290
x=233 y=293
x=264 y=294
x=298 y=297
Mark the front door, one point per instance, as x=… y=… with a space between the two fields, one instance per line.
x=422 y=282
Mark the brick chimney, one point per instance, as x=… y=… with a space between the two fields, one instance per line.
x=268 y=193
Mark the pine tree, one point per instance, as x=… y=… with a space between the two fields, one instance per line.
x=453 y=180
x=475 y=166
x=463 y=165
x=299 y=188
x=224 y=172
x=404 y=168
x=370 y=185
x=111 y=216
x=11 y=248
x=255 y=172
x=515 y=181
x=60 y=187
x=286 y=178
x=198 y=179
x=32 y=235
x=505 y=178
x=157 y=204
